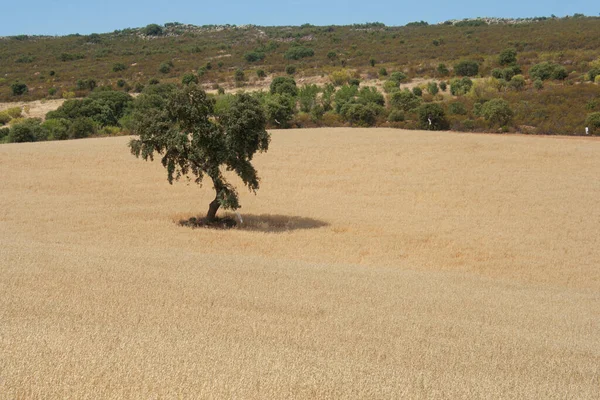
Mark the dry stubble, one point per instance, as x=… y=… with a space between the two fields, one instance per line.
x=373 y=264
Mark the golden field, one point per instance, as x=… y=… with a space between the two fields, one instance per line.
x=372 y=264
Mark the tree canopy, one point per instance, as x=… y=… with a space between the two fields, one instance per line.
x=193 y=141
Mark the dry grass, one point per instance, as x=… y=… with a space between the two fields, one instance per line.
x=373 y=264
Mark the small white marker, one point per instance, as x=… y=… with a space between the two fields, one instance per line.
x=239 y=217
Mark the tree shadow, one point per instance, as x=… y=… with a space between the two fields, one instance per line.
x=268 y=223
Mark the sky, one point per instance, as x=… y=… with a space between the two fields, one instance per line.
x=63 y=17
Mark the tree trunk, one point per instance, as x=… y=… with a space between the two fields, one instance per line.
x=212 y=210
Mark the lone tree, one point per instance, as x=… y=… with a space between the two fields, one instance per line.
x=193 y=140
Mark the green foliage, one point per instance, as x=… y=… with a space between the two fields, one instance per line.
x=119 y=67
x=29 y=130
x=290 y=69
x=71 y=57
x=153 y=30
x=19 y=88
x=4 y=118
x=507 y=56
x=239 y=77
x=390 y=86
x=546 y=70
x=432 y=88
x=593 y=73
x=284 y=85
x=459 y=87
x=191 y=142
x=538 y=84
x=457 y=108
x=82 y=127
x=253 y=56
x=14 y=112
x=396 y=116
x=104 y=108
x=332 y=55
x=404 y=100
x=261 y=74
x=4 y=134
x=497 y=112
x=340 y=77
x=517 y=82
x=25 y=59
x=398 y=77
x=466 y=68
x=307 y=97
x=417 y=91
x=189 y=78
x=165 y=67
x=383 y=71
x=443 y=86
x=86 y=84
x=57 y=129
x=298 y=52
x=431 y=116
x=360 y=114
x=442 y=70
x=52 y=91
x=592 y=121
x=279 y=109
x=372 y=61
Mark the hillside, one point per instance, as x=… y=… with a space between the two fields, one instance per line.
x=248 y=57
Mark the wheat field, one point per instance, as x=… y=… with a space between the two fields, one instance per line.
x=372 y=264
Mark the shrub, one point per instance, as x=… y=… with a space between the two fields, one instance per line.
x=284 y=85
x=545 y=70
x=4 y=118
x=208 y=66
x=360 y=114
x=442 y=70
x=153 y=81
x=432 y=88
x=372 y=61
x=466 y=68
x=279 y=109
x=4 y=133
x=153 y=30
x=593 y=122
x=497 y=112
x=164 y=68
x=367 y=95
x=390 y=86
x=507 y=57
x=332 y=55
x=404 y=100
x=340 y=77
x=593 y=73
x=290 y=69
x=432 y=117
x=68 y=95
x=345 y=94
x=354 y=81
x=82 y=127
x=457 y=108
x=538 y=84
x=461 y=86
x=298 y=52
x=119 y=67
x=517 y=82
x=254 y=56
x=239 y=77
x=189 y=78
x=307 y=97
x=19 y=88
x=417 y=91
x=86 y=84
x=29 y=130
x=382 y=71
x=260 y=73
x=121 y=83
x=443 y=86
x=71 y=57
x=52 y=91
x=57 y=129
x=14 y=112
x=398 y=77
x=396 y=116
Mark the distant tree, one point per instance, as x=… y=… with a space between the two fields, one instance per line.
x=404 y=100
x=461 y=86
x=254 y=56
x=192 y=141
x=189 y=78
x=546 y=70
x=284 y=85
x=153 y=30
x=432 y=88
x=507 y=57
x=497 y=112
x=593 y=122
x=466 y=68
x=432 y=117
x=19 y=88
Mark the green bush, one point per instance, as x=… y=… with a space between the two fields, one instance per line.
x=4 y=134
x=254 y=56
x=442 y=70
x=82 y=127
x=396 y=116
x=417 y=91
x=390 y=86
x=14 y=112
x=279 y=109
x=432 y=117
x=307 y=97
x=52 y=91
x=121 y=83
x=443 y=86
x=507 y=57
x=432 y=88
x=546 y=70
x=260 y=73
x=593 y=123
x=189 y=78
x=298 y=52
x=284 y=85
x=71 y=57
x=497 y=112
x=4 y=118
x=19 y=88
x=29 y=130
x=398 y=77
x=354 y=81
x=153 y=30
x=517 y=82
x=290 y=69
x=538 y=84
x=360 y=114
x=239 y=77
x=457 y=108
x=370 y=95
x=466 y=68
x=57 y=129
x=372 y=61
x=164 y=68
x=459 y=87
x=404 y=100
x=382 y=71
x=119 y=67
x=86 y=84
x=593 y=73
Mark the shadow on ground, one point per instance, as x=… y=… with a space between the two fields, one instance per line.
x=270 y=223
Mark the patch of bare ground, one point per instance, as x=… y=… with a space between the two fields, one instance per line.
x=375 y=263
x=34 y=109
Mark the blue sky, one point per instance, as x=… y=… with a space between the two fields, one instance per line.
x=61 y=17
